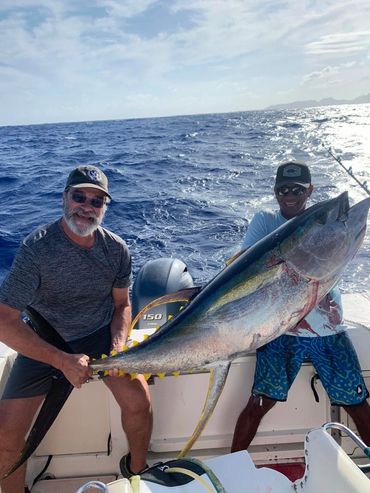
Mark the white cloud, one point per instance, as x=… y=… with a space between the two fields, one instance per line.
x=96 y=57
x=340 y=43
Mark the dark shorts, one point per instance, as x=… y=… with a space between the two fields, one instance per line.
x=333 y=357
x=29 y=377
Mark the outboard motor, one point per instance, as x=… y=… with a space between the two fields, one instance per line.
x=155 y=279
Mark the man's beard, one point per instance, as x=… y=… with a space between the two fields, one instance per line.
x=81 y=229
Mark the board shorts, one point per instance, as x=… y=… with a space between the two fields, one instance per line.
x=333 y=357
x=29 y=378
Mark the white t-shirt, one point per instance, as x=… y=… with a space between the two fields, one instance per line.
x=327 y=317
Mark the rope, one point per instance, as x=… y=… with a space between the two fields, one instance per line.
x=192 y=474
x=211 y=475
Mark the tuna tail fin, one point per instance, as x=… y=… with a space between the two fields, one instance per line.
x=46 y=331
x=216 y=384
x=53 y=403
x=55 y=398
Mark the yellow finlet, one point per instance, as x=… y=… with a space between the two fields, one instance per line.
x=175 y=373
x=103 y=356
x=133 y=376
x=121 y=373
x=145 y=337
x=134 y=343
x=147 y=376
x=161 y=375
x=169 y=317
x=124 y=348
x=113 y=352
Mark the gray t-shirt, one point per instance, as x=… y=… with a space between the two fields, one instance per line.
x=70 y=286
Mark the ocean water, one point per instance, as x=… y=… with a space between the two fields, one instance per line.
x=185 y=186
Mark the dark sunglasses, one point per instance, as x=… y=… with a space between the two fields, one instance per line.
x=296 y=190
x=80 y=198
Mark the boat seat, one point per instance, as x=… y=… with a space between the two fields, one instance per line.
x=329 y=468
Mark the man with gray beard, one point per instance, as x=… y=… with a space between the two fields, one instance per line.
x=76 y=275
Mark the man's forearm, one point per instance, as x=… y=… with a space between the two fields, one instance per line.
x=120 y=326
x=19 y=336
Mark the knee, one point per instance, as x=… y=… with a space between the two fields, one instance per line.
x=134 y=398
x=139 y=402
x=259 y=405
x=359 y=411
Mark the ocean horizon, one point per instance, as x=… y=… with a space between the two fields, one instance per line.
x=183 y=186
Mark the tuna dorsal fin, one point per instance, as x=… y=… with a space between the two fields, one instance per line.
x=217 y=381
x=184 y=295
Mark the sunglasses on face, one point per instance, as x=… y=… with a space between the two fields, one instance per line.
x=80 y=198
x=296 y=190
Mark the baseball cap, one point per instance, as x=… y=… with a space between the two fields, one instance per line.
x=293 y=172
x=88 y=177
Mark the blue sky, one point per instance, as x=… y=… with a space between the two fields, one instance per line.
x=77 y=60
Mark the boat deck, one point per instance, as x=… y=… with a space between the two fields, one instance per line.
x=87 y=440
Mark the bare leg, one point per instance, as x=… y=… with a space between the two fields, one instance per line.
x=361 y=417
x=16 y=417
x=249 y=421
x=136 y=413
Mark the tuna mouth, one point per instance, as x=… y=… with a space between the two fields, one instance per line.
x=337 y=210
x=361 y=233
x=343 y=207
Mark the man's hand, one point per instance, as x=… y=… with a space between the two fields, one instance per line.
x=75 y=368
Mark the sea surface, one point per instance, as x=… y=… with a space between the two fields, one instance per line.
x=184 y=186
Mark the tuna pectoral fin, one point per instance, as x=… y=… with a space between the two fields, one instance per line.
x=53 y=403
x=216 y=384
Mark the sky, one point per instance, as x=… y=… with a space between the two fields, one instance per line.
x=84 y=60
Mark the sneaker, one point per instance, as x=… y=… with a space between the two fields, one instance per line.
x=124 y=465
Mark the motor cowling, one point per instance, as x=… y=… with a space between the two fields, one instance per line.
x=155 y=279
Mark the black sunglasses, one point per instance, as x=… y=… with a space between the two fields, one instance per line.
x=80 y=198
x=296 y=190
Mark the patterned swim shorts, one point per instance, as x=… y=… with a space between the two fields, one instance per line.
x=333 y=357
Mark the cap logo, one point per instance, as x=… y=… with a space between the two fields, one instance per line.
x=94 y=175
x=292 y=171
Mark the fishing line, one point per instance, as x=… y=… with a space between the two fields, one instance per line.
x=363 y=185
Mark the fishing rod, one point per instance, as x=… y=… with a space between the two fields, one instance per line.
x=363 y=185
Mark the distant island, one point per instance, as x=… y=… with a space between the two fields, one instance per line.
x=323 y=102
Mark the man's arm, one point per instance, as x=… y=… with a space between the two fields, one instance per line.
x=121 y=319
x=255 y=232
x=19 y=336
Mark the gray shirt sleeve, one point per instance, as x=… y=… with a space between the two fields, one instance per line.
x=123 y=278
x=23 y=280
